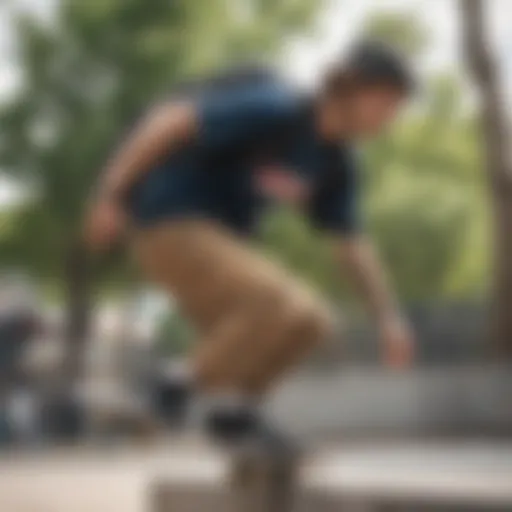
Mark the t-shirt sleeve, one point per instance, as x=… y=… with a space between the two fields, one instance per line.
x=231 y=117
x=336 y=205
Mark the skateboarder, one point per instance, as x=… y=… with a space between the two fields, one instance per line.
x=191 y=181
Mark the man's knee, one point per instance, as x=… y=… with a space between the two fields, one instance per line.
x=312 y=323
x=293 y=308
x=305 y=319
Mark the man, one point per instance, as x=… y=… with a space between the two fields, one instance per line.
x=19 y=325
x=191 y=182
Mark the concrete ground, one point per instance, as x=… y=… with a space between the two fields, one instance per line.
x=80 y=480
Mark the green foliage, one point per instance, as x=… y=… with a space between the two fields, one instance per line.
x=404 y=31
x=87 y=75
x=427 y=199
x=425 y=193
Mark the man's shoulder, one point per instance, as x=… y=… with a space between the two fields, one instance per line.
x=275 y=91
x=239 y=80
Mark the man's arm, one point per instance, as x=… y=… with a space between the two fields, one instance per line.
x=218 y=121
x=159 y=133
x=362 y=265
x=163 y=129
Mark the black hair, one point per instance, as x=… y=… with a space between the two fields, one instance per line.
x=371 y=63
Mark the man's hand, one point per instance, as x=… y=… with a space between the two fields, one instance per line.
x=366 y=270
x=105 y=223
x=156 y=135
x=282 y=185
x=398 y=343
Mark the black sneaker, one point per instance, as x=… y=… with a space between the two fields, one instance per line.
x=232 y=425
x=245 y=430
x=170 y=398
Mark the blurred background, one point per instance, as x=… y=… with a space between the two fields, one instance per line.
x=85 y=345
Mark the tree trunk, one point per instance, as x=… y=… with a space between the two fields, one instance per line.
x=77 y=319
x=498 y=161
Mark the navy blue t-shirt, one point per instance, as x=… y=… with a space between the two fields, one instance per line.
x=243 y=130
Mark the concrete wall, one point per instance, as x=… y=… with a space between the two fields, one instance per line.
x=359 y=401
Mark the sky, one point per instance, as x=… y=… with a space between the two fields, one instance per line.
x=336 y=27
x=342 y=18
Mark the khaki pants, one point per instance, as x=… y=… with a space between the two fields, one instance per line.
x=254 y=319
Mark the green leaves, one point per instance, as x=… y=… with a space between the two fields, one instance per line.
x=103 y=61
x=426 y=198
x=404 y=31
x=85 y=77
x=424 y=191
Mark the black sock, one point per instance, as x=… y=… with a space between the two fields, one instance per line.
x=231 y=423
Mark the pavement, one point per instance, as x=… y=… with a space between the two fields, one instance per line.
x=91 y=480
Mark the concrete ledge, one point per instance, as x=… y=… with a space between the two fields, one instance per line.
x=461 y=476
x=355 y=402
x=476 y=477
x=189 y=477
